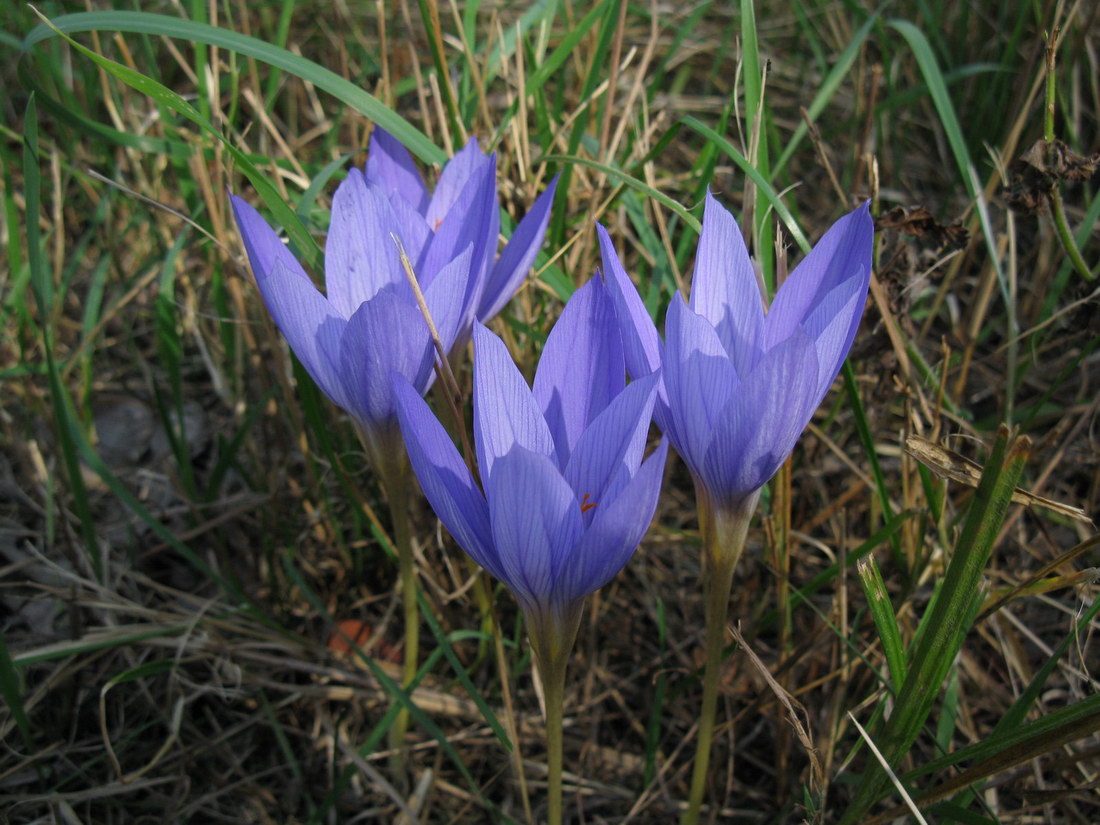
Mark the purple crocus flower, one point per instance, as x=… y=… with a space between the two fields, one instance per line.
x=368 y=324
x=567 y=496
x=739 y=385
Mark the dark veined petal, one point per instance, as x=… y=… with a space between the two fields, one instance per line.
x=609 y=451
x=763 y=420
x=535 y=520
x=390 y=165
x=832 y=328
x=641 y=343
x=453 y=180
x=446 y=294
x=386 y=334
x=724 y=289
x=444 y=478
x=581 y=368
x=505 y=412
x=360 y=255
x=518 y=255
x=308 y=322
x=843 y=251
x=699 y=379
x=613 y=535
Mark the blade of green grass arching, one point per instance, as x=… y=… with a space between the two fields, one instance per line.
x=882 y=611
x=11 y=688
x=947 y=618
x=761 y=182
x=42 y=286
x=825 y=94
x=463 y=677
x=392 y=688
x=305 y=244
x=348 y=93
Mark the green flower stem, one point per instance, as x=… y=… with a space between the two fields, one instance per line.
x=552 y=640
x=724 y=530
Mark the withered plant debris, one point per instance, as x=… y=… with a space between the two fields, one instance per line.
x=1034 y=173
x=920 y=223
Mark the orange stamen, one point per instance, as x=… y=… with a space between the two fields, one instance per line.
x=587 y=505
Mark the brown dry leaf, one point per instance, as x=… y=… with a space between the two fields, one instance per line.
x=1036 y=171
x=949 y=464
x=919 y=222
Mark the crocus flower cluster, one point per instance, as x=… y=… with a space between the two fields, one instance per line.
x=565 y=495
x=368 y=323
x=738 y=385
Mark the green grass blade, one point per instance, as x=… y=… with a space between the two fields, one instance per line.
x=761 y=182
x=11 y=688
x=841 y=66
x=42 y=287
x=882 y=611
x=463 y=677
x=348 y=93
x=947 y=618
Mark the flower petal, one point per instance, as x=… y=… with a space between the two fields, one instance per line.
x=518 y=255
x=609 y=451
x=360 y=255
x=535 y=521
x=613 y=535
x=581 y=368
x=832 y=328
x=446 y=294
x=641 y=344
x=390 y=165
x=444 y=478
x=724 y=288
x=699 y=379
x=505 y=412
x=453 y=180
x=386 y=334
x=308 y=322
x=763 y=420
x=475 y=219
x=843 y=251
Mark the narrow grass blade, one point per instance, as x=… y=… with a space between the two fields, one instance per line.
x=11 y=688
x=947 y=619
x=882 y=611
x=348 y=93
x=42 y=286
x=307 y=247
x=463 y=677
x=761 y=182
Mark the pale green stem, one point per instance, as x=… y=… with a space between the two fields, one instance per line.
x=724 y=530
x=552 y=640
